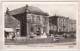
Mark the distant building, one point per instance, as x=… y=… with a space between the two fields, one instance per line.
x=61 y=25
x=72 y=26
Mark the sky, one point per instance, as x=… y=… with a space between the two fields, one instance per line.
x=67 y=9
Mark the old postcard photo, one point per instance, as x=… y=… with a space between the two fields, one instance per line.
x=40 y=24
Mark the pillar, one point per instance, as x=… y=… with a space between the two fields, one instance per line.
x=23 y=25
x=24 y=22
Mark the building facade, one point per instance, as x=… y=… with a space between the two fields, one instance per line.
x=61 y=25
x=29 y=19
x=37 y=23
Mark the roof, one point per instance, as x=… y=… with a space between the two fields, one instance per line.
x=11 y=22
x=31 y=9
x=56 y=16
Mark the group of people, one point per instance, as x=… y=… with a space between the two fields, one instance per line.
x=38 y=34
x=10 y=35
x=13 y=35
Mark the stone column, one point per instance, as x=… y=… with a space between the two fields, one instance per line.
x=23 y=25
x=24 y=22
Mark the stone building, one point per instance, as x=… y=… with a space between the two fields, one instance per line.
x=27 y=19
x=61 y=25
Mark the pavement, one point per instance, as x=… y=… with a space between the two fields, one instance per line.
x=43 y=41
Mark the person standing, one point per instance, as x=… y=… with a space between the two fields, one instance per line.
x=13 y=35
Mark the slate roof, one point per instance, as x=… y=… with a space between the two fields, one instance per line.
x=31 y=9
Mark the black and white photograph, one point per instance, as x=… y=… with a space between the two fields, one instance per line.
x=40 y=23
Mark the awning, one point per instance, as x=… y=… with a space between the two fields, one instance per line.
x=9 y=29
